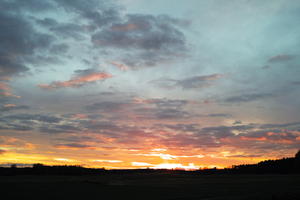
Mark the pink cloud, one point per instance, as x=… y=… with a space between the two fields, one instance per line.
x=5 y=90
x=77 y=81
x=120 y=66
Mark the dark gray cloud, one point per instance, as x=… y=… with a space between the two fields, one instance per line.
x=166 y=113
x=67 y=30
x=98 y=12
x=248 y=97
x=100 y=126
x=145 y=32
x=152 y=39
x=62 y=29
x=286 y=125
x=163 y=103
x=53 y=129
x=180 y=127
x=16 y=6
x=20 y=127
x=258 y=137
x=18 y=40
x=47 y=22
x=21 y=43
x=171 y=114
x=16 y=127
x=225 y=131
x=188 y=83
x=74 y=145
x=281 y=58
x=237 y=122
x=296 y=82
x=36 y=117
x=59 y=49
x=106 y=106
x=217 y=115
x=198 y=81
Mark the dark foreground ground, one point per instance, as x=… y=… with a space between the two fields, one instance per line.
x=152 y=186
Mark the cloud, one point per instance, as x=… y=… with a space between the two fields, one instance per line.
x=29 y=5
x=5 y=91
x=171 y=114
x=36 y=117
x=139 y=108
x=13 y=142
x=120 y=66
x=59 y=128
x=59 y=48
x=257 y=137
x=16 y=127
x=281 y=58
x=295 y=82
x=106 y=106
x=162 y=103
x=284 y=137
x=158 y=113
x=188 y=83
x=101 y=126
x=170 y=157
x=19 y=41
x=2 y=151
x=74 y=146
x=147 y=32
x=180 y=127
x=217 y=115
x=152 y=39
x=11 y=107
x=98 y=12
x=141 y=164
x=81 y=78
x=108 y=161
x=63 y=30
x=248 y=97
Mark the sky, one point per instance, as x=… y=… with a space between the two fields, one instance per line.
x=132 y=84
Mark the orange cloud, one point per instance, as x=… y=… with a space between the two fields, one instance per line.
x=9 y=105
x=77 y=81
x=80 y=116
x=254 y=138
x=16 y=143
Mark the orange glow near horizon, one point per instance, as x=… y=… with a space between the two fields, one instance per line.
x=131 y=161
x=146 y=152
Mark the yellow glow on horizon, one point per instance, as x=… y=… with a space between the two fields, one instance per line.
x=190 y=166
x=170 y=159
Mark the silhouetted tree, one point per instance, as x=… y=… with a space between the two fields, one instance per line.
x=297 y=156
x=37 y=165
x=13 y=166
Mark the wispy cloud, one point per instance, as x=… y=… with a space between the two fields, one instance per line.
x=5 y=90
x=248 y=97
x=189 y=82
x=281 y=58
x=80 y=79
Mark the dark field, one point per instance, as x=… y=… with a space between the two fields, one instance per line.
x=153 y=186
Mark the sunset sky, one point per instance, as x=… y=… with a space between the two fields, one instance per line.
x=140 y=83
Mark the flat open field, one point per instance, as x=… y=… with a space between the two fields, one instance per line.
x=153 y=186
